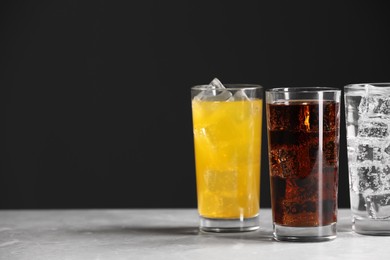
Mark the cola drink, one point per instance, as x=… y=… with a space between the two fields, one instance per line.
x=303 y=141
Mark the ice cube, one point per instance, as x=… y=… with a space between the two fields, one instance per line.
x=222 y=182
x=216 y=83
x=239 y=96
x=378 y=206
x=300 y=213
x=369 y=152
x=375 y=105
x=302 y=189
x=372 y=128
x=367 y=179
x=284 y=162
x=383 y=106
x=215 y=91
x=295 y=207
x=289 y=162
x=368 y=105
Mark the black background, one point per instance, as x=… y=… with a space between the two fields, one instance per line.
x=96 y=94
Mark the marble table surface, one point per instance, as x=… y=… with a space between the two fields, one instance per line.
x=163 y=234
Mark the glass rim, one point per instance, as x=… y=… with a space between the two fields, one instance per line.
x=233 y=86
x=364 y=85
x=303 y=90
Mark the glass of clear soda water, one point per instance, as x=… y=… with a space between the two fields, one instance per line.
x=367 y=117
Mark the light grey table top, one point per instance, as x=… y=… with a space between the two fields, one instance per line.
x=163 y=234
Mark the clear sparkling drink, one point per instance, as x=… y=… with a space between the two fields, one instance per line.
x=367 y=108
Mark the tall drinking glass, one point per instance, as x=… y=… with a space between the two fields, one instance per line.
x=303 y=148
x=367 y=113
x=227 y=140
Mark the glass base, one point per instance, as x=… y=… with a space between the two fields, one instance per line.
x=305 y=234
x=229 y=225
x=376 y=227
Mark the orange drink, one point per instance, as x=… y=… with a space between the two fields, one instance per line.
x=227 y=142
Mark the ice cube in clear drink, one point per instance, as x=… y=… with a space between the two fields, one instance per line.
x=367 y=180
x=368 y=105
x=378 y=206
x=369 y=152
x=375 y=105
x=373 y=128
x=383 y=106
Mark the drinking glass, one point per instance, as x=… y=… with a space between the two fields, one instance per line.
x=367 y=113
x=227 y=140
x=303 y=148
